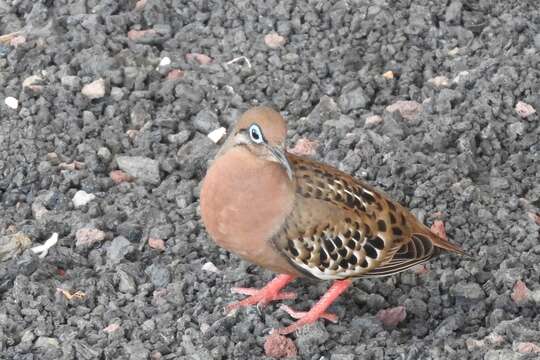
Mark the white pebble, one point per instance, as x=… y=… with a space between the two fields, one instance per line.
x=524 y=109
x=210 y=267
x=12 y=102
x=217 y=134
x=165 y=61
x=82 y=198
x=94 y=90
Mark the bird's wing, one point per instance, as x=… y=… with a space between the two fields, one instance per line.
x=343 y=228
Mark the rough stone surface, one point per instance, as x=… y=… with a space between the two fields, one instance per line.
x=469 y=158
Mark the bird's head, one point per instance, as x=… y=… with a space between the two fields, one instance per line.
x=262 y=131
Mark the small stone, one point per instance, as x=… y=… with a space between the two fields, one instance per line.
x=468 y=291
x=208 y=266
x=304 y=147
x=117 y=93
x=157 y=244
x=352 y=99
x=274 y=40
x=119 y=248
x=499 y=183
x=373 y=120
x=11 y=102
x=104 y=154
x=536 y=41
x=72 y=83
x=142 y=36
x=126 y=283
x=453 y=13
x=140 y=4
x=205 y=121
x=200 y=58
x=165 y=61
x=81 y=198
x=524 y=110
x=159 y=275
x=438 y=229
x=453 y=52
x=279 y=346
x=310 y=337
x=33 y=83
x=520 y=292
x=516 y=129
x=13 y=244
x=217 y=134
x=462 y=77
x=111 y=328
x=17 y=40
x=46 y=342
x=393 y=316
x=94 y=90
x=88 y=236
x=388 y=75
x=439 y=81
x=143 y=168
x=175 y=74
x=408 y=109
x=527 y=348
x=179 y=138
x=119 y=176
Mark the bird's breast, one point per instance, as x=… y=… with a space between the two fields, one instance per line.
x=244 y=202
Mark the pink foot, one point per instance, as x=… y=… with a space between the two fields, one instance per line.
x=262 y=297
x=318 y=310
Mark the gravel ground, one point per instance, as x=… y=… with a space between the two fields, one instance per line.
x=107 y=147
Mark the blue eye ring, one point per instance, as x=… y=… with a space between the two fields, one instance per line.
x=255 y=134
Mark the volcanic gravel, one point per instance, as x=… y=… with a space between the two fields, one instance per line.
x=134 y=275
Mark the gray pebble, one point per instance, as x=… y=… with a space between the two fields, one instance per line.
x=206 y=121
x=159 y=275
x=139 y=167
x=119 y=248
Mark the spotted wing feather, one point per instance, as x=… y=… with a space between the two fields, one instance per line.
x=344 y=228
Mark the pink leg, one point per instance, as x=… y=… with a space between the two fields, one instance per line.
x=319 y=309
x=261 y=297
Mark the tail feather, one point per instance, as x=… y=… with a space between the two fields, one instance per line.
x=441 y=242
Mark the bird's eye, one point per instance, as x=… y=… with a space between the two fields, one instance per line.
x=255 y=134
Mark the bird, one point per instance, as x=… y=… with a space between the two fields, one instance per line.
x=301 y=218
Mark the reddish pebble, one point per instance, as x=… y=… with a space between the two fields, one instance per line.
x=520 y=293
x=274 y=40
x=524 y=110
x=407 y=109
x=304 y=147
x=17 y=40
x=140 y=4
x=88 y=236
x=527 y=347
x=279 y=346
x=118 y=176
x=200 y=58
x=393 y=316
x=137 y=35
x=156 y=244
x=438 y=229
x=111 y=328
x=175 y=74
x=420 y=269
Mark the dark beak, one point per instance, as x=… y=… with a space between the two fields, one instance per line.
x=279 y=155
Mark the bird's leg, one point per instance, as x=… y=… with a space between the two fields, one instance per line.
x=261 y=297
x=318 y=310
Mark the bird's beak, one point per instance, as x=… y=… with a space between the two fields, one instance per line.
x=278 y=152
